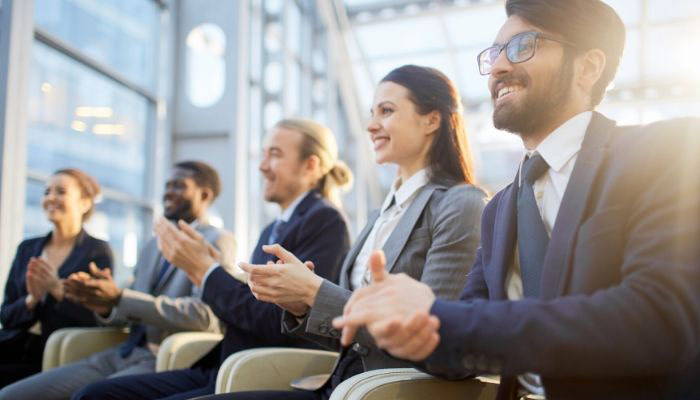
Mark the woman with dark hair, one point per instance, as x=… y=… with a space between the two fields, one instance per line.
x=428 y=225
x=34 y=306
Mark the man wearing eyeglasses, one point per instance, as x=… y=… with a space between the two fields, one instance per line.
x=587 y=281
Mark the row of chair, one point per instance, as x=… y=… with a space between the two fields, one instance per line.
x=270 y=368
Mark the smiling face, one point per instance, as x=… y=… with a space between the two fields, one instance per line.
x=183 y=198
x=399 y=134
x=286 y=175
x=528 y=96
x=63 y=200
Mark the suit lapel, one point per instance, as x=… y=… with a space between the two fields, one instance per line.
x=573 y=206
x=398 y=238
x=504 y=236
x=355 y=250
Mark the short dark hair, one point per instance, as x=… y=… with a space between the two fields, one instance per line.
x=588 y=24
x=430 y=90
x=203 y=174
x=89 y=188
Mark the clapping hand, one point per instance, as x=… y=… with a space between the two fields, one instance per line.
x=290 y=283
x=43 y=278
x=395 y=309
x=96 y=291
x=185 y=248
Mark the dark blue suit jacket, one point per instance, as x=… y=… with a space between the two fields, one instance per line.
x=619 y=310
x=17 y=319
x=316 y=232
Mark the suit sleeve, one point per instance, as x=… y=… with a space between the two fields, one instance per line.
x=453 y=242
x=14 y=313
x=648 y=324
x=182 y=313
x=324 y=241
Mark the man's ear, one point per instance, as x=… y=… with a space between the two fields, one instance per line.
x=590 y=66
x=207 y=195
x=312 y=163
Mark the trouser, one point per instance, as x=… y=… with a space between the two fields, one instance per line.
x=60 y=383
x=20 y=357
x=178 y=384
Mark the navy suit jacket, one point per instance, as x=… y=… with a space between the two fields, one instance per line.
x=17 y=319
x=619 y=310
x=316 y=232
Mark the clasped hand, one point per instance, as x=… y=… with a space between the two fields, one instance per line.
x=395 y=309
x=43 y=278
x=185 y=248
x=95 y=291
x=290 y=283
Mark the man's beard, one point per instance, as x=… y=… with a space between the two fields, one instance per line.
x=538 y=108
x=182 y=212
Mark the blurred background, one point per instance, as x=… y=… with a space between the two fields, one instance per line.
x=123 y=88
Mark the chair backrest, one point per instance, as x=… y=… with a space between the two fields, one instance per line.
x=271 y=368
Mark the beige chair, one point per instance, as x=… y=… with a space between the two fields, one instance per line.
x=181 y=350
x=410 y=384
x=271 y=368
x=177 y=351
x=72 y=344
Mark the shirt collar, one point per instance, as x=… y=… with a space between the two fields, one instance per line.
x=565 y=141
x=287 y=214
x=404 y=191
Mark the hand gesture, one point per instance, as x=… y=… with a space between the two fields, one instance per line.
x=45 y=277
x=395 y=310
x=290 y=283
x=96 y=291
x=185 y=248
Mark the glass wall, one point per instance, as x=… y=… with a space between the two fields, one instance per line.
x=92 y=107
x=289 y=75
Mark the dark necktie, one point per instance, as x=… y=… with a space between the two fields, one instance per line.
x=532 y=234
x=277 y=227
x=137 y=333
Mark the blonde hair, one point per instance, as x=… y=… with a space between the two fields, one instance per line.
x=319 y=141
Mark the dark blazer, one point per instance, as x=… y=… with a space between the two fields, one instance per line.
x=17 y=319
x=316 y=232
x=620 y=304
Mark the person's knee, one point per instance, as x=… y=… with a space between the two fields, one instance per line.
x=17 y=391
x=91 y=391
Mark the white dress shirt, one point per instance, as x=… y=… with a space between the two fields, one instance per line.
x=284 y=217
x=394 y=207
x=560 y=151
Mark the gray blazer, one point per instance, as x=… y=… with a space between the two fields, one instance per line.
x=175 y=304
x=435 y=242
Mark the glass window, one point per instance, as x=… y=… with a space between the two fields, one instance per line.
x=672 y=51
x=475 y=27
x=206 y=66
x=292 y=25
x=121 y=34
x=274 y=77
x=629 y=70
x=663 y=10
x=293 y=78
x=400 y=36
x=81 y=119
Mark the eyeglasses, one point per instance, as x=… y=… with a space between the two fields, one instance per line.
x=519 y=48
